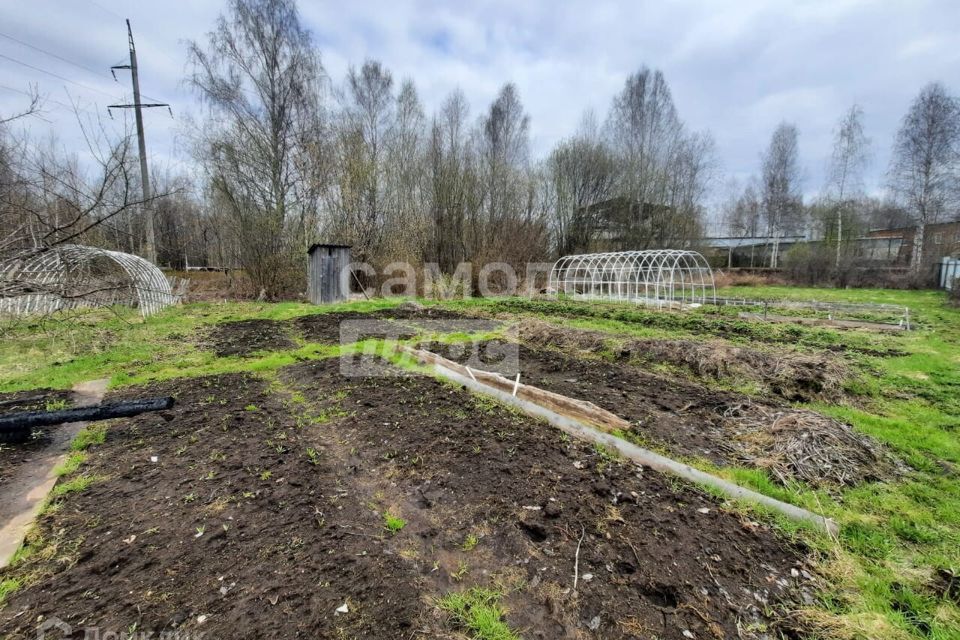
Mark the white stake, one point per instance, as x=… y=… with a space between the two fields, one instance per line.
x=516 y=384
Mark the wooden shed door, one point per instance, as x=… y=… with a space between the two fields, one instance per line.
x=328 y=279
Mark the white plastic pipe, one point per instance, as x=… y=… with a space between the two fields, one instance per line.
x=640 y=455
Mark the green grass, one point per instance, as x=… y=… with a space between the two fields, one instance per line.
x=75 y=484
x=478 y=612
x=894 y=535
x=7 y=587
x=89 y=436
x=707 y=321
x=393 y=523
x=71 y=464
x=470 y=542
x=61 y=351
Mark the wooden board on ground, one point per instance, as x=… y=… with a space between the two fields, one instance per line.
x=564 y=405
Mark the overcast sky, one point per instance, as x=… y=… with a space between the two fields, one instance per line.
x=735 y=70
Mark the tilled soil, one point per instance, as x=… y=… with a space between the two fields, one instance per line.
x=402 y=322
x=656 y=558
x=790 y=375
x=688 y=419
x=247 y=337
x=701 y=324
x=233 y=531
x=262 y=516
x=325 y=328
x=14 y=455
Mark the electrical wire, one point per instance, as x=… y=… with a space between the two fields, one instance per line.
x=55 y=75
x=53 y=55
x=58 y=57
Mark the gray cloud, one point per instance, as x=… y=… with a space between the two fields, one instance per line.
x=736 y=70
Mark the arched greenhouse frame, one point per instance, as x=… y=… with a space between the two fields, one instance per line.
x=72 y=276
x=661 y=277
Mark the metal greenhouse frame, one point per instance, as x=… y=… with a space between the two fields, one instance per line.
x=71 y=276
x=662 y=277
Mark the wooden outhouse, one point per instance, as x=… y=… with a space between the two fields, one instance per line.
x=328 y=273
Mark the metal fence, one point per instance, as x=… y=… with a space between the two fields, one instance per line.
x=949 y=272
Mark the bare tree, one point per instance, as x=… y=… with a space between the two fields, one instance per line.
x=845 y=170
x=261 y=78
x=364 y=134
x=924 y=173
x=33 y=107
x=454 y=188
x=49 y=198
x=510 y=230
x=583 y=172
x=743 y=215
x=664 y=169
x=782 y=201
x=504 y=143
x=406 y=166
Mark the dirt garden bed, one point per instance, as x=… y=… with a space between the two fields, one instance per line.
x=689 y=420
x=246 y=337
x=706 y=324
x=402 y=322
x=789 y=375
x=244 y=513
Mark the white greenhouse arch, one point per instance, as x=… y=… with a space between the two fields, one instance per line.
x=658 y=277
x=70 y=276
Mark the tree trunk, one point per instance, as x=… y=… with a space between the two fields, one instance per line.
x=916 y=258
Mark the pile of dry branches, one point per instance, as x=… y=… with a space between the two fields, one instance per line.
x=794 y=444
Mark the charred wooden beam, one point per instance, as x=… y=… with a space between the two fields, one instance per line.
x=15 y=427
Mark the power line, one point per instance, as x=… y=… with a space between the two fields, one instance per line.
x=105 y=10
x=52 y=55
x=55 y=75
x=67 y=60
x=119 y=17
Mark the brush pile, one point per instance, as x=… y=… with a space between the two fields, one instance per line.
x=794 y=444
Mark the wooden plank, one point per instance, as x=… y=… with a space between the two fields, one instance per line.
x=586 y=421
x=564 y=405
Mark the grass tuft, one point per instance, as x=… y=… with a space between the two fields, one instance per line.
x=89 y=436
x=74 y=485
x=393 y=524
x=478 y=611
x=71 y=464
x=7 y=587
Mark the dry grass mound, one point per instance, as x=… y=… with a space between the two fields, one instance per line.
x=792 y=376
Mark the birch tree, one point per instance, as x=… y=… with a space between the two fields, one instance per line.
x=261 y=78
x=845 y=170
x=664 y=168
x=925 y=171
x=782 y=201
x=582 y=172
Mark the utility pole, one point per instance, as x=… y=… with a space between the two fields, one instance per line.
x=150 y=250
